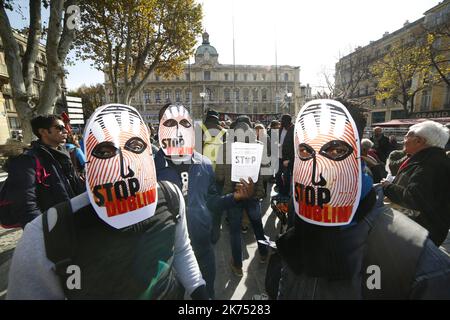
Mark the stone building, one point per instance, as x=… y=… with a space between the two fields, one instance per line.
x=353 y=78
x=262 y=92
x=9 y=121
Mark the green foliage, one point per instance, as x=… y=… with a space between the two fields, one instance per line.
x=405 y=70
x=129 y=39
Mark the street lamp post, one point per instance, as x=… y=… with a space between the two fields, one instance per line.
x=288 y=96
x=203 y=95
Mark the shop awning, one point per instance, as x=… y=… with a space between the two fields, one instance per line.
x=409 y=122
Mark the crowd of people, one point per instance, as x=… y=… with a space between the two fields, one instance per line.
x=139 y=211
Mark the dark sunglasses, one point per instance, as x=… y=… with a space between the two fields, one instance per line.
x=60 y=127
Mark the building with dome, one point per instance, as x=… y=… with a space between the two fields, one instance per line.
x=261 y=91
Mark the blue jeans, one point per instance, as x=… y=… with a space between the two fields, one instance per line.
x=235 y=217
x=207 y=263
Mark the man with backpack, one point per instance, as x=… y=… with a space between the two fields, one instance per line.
x=125 y=238
x=40 y=177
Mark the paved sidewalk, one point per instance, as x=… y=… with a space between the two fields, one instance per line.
x=231 y=287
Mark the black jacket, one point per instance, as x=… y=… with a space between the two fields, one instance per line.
x=382 y=146
x=287 y=150
x=424 y=185
x=336 y=262
x=33 y=196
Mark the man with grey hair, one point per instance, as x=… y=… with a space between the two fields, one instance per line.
x=422 y=182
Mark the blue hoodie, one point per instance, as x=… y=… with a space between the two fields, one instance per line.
x=78 y=153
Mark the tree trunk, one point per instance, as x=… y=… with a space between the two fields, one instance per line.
x=25 y=119
x=50 y=90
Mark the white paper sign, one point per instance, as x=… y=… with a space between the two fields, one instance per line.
x=246 y=161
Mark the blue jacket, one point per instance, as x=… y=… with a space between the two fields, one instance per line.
x=203 y=196
x=78 y=153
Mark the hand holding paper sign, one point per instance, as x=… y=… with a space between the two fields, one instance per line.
x=244 y=190
x=246 y=160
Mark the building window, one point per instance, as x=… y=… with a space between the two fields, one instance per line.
x=156 y=77
x=209 y=94
x=206 y=75
x=378 y=117
x=374 y=101
x=286 y=77
x=255 y=95
x=13 y=123
x=188 y=76
x=158 y=96
x=245 y=77
x=236 y=94
x=245 y=95
x=8 y=105
x=226 y=76
x=264 y=95
x=255 y=76
x=146 y=97
x=167 y=95
x=235 y=76
x=426 y=100
x=263 y=77
x=37 y=72
x=226 y=94
x=398 y=114
x=187 y=94
x=178 y=95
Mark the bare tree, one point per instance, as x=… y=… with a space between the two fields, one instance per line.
x=351 y=72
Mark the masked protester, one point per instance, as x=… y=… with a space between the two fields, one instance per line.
x=178 y=162
x=123 y=239
x=344 y=243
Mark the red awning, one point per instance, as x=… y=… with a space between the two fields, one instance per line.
x=408 y=122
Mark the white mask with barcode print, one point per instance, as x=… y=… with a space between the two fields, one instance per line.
x=120 y=172
x=327 y=167
x=176 y=133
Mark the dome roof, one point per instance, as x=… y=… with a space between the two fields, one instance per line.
x=206 y=47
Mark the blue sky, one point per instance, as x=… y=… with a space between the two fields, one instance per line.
x=305 y=33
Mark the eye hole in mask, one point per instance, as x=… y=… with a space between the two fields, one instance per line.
x=105 y=150
x=185 y=123
x=170 y=123
x=336 y=150
x=305 y=152
x=136 y=145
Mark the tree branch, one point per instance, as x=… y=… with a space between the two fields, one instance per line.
x=31 y=53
